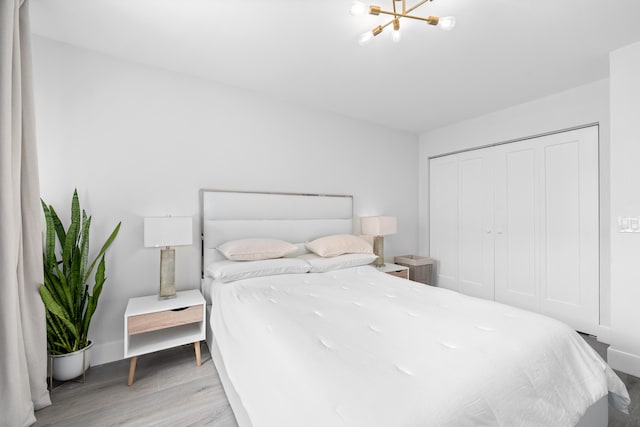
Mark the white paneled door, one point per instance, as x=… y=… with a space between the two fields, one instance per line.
x=517 y=237
x=547 y=226
x=518 y=223
x=461 y=207
x=443 y=181
x=475 y=223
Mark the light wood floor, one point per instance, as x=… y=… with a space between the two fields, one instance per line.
x=170 y=390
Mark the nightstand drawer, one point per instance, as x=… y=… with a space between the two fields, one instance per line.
x=164 y=319
x=403 y=274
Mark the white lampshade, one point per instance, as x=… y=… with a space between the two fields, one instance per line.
x=378 y=225
x=168 y=231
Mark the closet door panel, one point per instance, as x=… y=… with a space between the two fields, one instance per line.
x=443 y=219
x=570 y=283
x=475 y=223
x=517 y=225
x=562 y=232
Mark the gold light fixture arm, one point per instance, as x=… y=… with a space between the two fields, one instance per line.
x=377 y=10
x=377 y=30
x=415 y=6
x=431 y=20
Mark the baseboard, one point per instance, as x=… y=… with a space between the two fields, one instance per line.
x=623 y=361
x=107 y=352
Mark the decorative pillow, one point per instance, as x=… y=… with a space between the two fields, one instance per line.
x=255 y=249
x=322 y=265
x=339 y=244
x=229 y=271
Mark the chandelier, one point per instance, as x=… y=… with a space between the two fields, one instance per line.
x=395 y=14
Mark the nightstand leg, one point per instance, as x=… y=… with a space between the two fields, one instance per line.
x=196 y=345
x=132 y=369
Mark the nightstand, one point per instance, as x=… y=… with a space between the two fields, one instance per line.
x=153 y=324
x=395 y=270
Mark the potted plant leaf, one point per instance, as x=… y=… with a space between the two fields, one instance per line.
x=68 y=299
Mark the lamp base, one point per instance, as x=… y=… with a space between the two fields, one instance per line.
x=378 y=249
x=167 y=273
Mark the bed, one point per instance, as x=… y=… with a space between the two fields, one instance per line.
x=355 y=347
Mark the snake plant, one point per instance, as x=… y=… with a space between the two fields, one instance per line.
x=68 y=300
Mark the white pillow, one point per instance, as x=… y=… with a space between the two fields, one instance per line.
x=229 y=271
x=339 y=244
x=322 y=265
x=301 y=249
x=255 y=249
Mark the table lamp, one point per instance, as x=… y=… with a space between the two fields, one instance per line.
x=378 y=226
x=166 y=232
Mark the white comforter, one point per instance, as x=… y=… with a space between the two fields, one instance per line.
x=356 y=347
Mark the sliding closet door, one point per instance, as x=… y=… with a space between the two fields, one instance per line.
x=443 y=219
x=547 y=226
x=517 y=222
x=570 y=282
x=461 y=221
x=475 y=223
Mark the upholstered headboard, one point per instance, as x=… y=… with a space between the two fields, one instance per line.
x=296 y=218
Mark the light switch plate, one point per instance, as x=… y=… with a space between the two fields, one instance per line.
x=628 y=224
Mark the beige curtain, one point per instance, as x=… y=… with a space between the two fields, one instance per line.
x=23 y=346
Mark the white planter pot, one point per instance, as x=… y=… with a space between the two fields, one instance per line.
x=69 y=366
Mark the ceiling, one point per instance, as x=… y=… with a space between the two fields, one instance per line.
x=501 y=53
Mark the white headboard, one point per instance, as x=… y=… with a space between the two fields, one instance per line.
x=296 y=218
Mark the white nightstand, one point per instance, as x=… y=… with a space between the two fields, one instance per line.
x=395 y=270
x=152 y=324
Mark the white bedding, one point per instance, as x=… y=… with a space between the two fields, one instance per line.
x=356 y=347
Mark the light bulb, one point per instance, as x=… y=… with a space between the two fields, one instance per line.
x=357 y=8
x=365 y=38
x=395 y=35
x=447 y=23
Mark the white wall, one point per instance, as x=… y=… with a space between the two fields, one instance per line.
x=582 y=105
x=138 y=141
x=624 y=353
